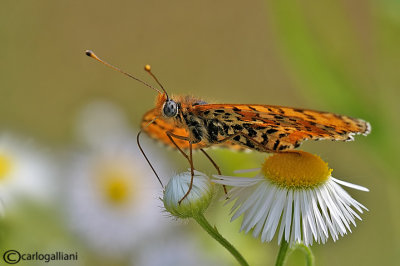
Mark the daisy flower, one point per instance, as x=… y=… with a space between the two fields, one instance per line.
x=295 y=197
x=112 y=199
x=25 y=171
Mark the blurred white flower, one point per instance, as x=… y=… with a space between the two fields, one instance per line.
x=102 y=122
x=296 y=195
x=26 y=172
x=112 y=194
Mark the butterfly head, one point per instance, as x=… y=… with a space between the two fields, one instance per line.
x=166 y=107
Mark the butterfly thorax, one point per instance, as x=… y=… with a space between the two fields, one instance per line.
x=203 y=126
x=187 y=118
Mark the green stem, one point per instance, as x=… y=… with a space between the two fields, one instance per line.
x=213 y=232
x=308 y=253
x=280 y=260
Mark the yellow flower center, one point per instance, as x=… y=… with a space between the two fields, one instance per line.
x=117 y=186
x=6 y=165
x=296 y=169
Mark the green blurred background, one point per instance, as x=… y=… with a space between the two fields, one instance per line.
x=339 y=56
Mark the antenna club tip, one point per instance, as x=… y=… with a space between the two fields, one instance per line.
x=147 y=68
x=89 y=53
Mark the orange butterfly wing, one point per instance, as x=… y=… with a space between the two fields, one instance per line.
x=283 y=128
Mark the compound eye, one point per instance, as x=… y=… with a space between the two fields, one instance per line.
x=170 y=108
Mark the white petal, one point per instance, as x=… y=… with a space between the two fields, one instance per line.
x=253 y=213
x=265 y=209
x=283 y=220
x=248 y=202
x=319 y=221
x=310 y=214
x=246 y=171
x=324 y=208
x=347 y=184
x=307 y=238
x=276 y=213
x=288 y=218
x=335 y=213
x=236 y=181
x=296 y=217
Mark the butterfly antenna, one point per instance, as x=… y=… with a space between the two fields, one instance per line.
x=94 y=56
x=148 y=69
x=144 y=154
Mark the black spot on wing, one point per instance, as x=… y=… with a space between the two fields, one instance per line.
x=249 y=144
x=226 y=128
x=278 y=117
x=283 y=147
x=252 y=132
x=276 y=144
x=219 y=111
x=310 y=117
x=212 y=130
x=237 y=127
x=271 y=130
x=265 y=139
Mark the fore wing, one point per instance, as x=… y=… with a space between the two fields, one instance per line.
x=282 y=128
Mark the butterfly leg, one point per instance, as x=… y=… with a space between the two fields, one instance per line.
x=216 y=167
x=189 y=158
x=170 y=135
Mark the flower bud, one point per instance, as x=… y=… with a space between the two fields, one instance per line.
x=196 y=202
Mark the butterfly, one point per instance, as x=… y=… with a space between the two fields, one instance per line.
x=189 y=123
